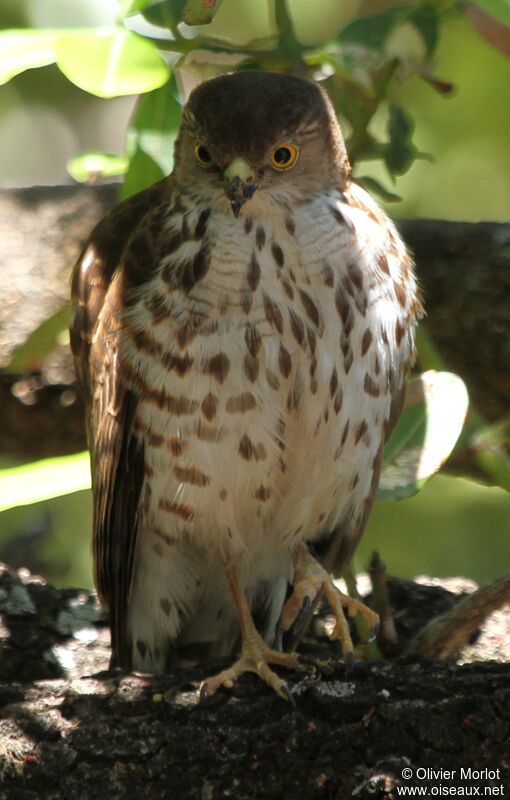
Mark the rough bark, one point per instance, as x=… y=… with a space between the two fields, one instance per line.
x=71 y=729
x=42 y=230
x=464 y=269
x=446 y=635
x=39 y=419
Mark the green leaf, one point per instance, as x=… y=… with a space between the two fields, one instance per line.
x=150 y=138
x=425 y=20
x=400 y=151
x=88 y=167
x=371 y=148
x=111 y=63
x=373 y=30
x=491 y=446
x=200 y=12
x=25 y=49
x=129 y=7
x=372 y=185
x=143 y=171
x=41 y=342
x=382 y=75
x=42 y=480
x=166 y=14
x=434 y=412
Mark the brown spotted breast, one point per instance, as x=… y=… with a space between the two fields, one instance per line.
x=265 y=355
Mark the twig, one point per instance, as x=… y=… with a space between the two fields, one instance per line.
x=445 y=636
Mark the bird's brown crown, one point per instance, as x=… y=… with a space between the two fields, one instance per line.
x=247 y=112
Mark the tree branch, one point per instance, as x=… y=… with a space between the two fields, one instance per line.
x=111 y=734
x=447 y=635
x=464 y=269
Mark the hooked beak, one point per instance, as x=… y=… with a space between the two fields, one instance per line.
x=239 y=184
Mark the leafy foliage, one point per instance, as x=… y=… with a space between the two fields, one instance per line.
x=150 y=138
x=426 y=433
x=88 y=167
x=107 y=63
x=42 y=480
x=110 y=64
x=362 y=66
x=41 y=342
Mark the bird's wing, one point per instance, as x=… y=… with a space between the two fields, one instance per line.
x=336 y=549
x=117 y=457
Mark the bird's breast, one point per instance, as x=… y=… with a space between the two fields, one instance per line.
x=263 y=355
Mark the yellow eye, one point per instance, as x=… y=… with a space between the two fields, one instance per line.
x=202 y=155
x=284 y=157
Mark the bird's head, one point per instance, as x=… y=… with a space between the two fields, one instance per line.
x=253 y=142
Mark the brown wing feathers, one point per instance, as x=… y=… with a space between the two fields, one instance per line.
x=117 y=457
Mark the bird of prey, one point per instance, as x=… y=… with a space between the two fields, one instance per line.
x=241 y=332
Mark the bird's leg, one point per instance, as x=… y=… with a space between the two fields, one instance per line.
x=256 y=655
x=310 y=580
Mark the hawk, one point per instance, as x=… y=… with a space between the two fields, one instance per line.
x=241 y=332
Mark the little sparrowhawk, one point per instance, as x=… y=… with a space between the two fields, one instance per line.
x=241 y=331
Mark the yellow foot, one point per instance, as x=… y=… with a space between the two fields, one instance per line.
x=255 y=657
x=310 y=580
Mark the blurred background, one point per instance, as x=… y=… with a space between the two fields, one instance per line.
x=454 y=526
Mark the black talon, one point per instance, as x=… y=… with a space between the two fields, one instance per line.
x=350 y=662
x=212 y=700
x=288 y=695
x=303 y=611
x=203 y=698
x=372 y=636
x=278 y=638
